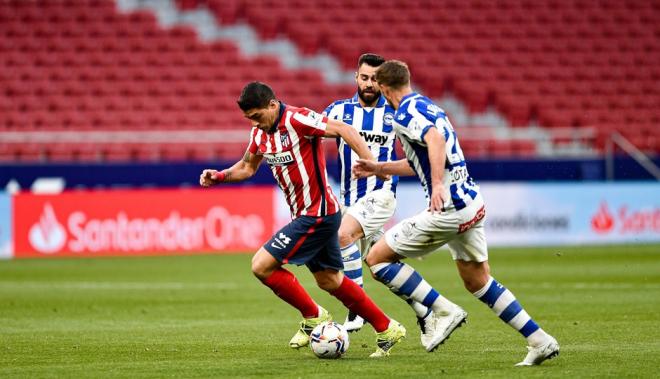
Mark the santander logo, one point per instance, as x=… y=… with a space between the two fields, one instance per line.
x=81 y=232
x=603 y=221
x=47 y=236
x=626 y=220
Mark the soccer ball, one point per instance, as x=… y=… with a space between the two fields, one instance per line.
x=329 y=340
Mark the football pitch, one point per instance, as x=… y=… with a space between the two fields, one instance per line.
x=207 y=316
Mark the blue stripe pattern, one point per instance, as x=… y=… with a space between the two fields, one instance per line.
x=511 y=311
x=430 y=298
x=388 y=273
x=379 y=136
x=415 y=116
x=409 y=286
x=493 y=293
x=347 y=174
x=529 y=328
x=353 y=274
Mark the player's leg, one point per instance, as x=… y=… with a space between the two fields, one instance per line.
x=350 y=231
x=283 y=283
x=360 y=226
x=470 y=252
x=326 y=266
x=288 y=246
x=388 y=330
x=404 y=281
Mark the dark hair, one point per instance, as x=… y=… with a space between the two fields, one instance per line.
x=373 y=60
x=255 y=95
x=393 y=74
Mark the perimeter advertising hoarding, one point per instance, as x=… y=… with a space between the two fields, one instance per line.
x=6 y=249
x=142 y=222
x=525 y=214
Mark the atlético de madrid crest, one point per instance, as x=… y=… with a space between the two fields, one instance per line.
x=285 y=140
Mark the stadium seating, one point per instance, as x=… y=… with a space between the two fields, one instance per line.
x=82 y=65
x=571 y=63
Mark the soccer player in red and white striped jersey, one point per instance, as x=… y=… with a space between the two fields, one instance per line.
x=289 y=138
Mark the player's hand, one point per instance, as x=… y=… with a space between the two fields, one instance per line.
x=438 y=197
x=207 y=178
x=364 y=168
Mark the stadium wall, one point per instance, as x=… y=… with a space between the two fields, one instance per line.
x=233 y=220
x=159 y=175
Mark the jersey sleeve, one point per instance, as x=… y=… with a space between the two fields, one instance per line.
x=309 y=123
x=253 y=146
x=419 y=124
x=334 y=111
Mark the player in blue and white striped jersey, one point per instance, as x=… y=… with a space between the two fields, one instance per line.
x=367 y=203
x=455 y=217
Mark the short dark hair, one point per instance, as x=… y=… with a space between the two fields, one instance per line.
x=373 y=60
x=255 y=95
x=393 y=74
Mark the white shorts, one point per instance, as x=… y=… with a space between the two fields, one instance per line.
x=372 y=212
x=462 y=231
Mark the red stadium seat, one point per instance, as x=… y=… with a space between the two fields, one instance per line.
x=82 y=65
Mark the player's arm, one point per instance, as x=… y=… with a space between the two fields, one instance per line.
x=364 y=168
x=241 y=170
x=352 y=138
x=435 y=143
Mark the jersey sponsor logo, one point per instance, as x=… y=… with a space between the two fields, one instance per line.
x=464 y=227
x=374 y=138
x=348 y=117
x=458 y=174
x=279 y=159
x=281 y=241
x=388 y=118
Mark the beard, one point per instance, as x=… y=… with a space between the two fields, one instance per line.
x=368 y=96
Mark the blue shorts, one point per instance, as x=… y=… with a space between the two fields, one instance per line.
x=310 y=241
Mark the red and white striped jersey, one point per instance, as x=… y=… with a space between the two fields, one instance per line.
x=294 y=152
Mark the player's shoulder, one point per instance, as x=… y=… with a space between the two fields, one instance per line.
x=426 y=107
x=304 y=116
x=337 y=104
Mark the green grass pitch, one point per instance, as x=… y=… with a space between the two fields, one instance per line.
x=206 y=316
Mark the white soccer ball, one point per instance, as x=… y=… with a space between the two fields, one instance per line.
x=329 y=340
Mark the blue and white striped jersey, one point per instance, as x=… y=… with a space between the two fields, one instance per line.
x=415 y=116
x=375 y=126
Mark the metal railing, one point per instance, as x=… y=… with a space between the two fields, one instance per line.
x=617 y=139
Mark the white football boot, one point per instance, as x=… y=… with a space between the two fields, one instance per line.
x=444 y=326
x=426 y=325
x=353 y=322
x=538 y=354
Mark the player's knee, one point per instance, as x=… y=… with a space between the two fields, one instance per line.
x=260 y=270
x=373 y=258
x=472 y=284
x=328 y=282
x=475 y=281
x=345 y=238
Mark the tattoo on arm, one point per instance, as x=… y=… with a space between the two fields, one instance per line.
x=246 y=157
x=227 y=176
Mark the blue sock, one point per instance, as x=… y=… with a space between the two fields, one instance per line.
x=352 y=259
x=509 y=310
x=407 y=283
